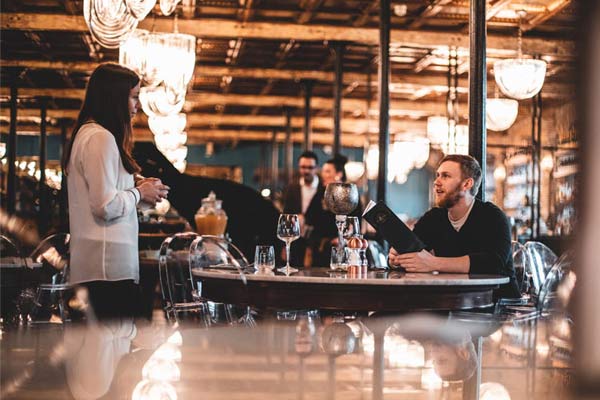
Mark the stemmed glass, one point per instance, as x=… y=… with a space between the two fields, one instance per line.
x=341 y=199
x=288 y=230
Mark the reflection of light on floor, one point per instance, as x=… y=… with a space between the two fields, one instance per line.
x=496 y=337
x=404 y=353
x=542 y=349
x=175 y=339
x=493 y=391
x=150 y=390
x=429 y=379
x=161 y=370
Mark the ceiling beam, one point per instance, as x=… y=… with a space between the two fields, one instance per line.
x=551 y=10
x=195 y=99
x=207 y=28
x=197 y=136
x=197 y=120
x=401 y=81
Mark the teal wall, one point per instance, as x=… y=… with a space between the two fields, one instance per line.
x=411 y=198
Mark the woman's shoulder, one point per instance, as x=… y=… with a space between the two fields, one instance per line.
x=96 y=133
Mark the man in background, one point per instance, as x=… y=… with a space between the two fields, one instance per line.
x=297 y=199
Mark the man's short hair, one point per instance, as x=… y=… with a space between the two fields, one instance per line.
x=309 y=154
x=469 y=168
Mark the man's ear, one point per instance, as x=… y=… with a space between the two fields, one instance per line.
x=468 y=184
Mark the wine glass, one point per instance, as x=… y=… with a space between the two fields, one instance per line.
x=341 y=199
x=288 y=230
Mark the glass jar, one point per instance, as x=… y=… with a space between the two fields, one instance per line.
x=211 y=219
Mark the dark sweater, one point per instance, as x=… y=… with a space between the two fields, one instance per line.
x=485 y=238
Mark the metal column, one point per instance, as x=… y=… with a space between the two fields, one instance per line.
x=307 y=85
x=536 y=137
x=274 y=162
x=338 y=48
x=11 y=179
x=62 y=207
x=43 y=215
x=288 y=154
x=477 y=87
x=384 y=97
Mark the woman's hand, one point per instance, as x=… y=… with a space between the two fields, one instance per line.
x=152 y=190
x=422 y=261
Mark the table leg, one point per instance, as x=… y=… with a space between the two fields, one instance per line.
x=471 y=385
x=378 y=364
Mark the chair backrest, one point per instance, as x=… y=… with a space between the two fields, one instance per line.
x=8 y=248
x=522 y=267
x=541 y=260
x=53 y=253
x=176 y=282
x=556 y=291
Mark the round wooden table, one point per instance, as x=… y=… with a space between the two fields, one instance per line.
x=321 y=288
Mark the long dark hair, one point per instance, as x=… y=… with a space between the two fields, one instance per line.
x=106 y=103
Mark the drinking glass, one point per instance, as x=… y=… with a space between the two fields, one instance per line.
x=339 y=258
x=351 y=227
x=288 y=230
x=264 y=258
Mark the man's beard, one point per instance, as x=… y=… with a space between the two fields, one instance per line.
x=450 y=199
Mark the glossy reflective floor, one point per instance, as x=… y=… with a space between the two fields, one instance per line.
x=298 y=356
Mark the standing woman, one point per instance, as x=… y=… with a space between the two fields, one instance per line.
x=103 y=196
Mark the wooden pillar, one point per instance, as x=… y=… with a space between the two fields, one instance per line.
x=11 y=148
x=43 y=215
x=307 y=85
x=338 y=48
x=477 y=87
x=384 y=97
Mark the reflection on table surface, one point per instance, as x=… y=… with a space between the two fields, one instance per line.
x=358 y=275
x=301 y=355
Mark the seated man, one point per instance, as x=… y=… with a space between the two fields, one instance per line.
x=464 y=234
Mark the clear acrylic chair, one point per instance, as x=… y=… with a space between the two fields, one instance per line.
x=182 y=300
x=556 y=292
x=209 y=251
x=52 y=294
x=9 y=251
x=541 y=259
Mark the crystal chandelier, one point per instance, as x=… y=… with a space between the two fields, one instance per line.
x=112 y=21
x=500 y=114
x=520 y=78
x=165 y=62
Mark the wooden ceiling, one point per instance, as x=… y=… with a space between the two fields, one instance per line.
x=254 y=54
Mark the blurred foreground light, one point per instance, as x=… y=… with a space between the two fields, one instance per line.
x=168 y=351
x=429 y=379
x=175 y=339
x=493 y=391
x=265 y=192
x=161 y=370
x=151 y=390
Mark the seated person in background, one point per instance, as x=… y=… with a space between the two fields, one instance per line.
x=464 y=234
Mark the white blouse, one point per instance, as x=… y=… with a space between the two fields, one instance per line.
x=102 y=210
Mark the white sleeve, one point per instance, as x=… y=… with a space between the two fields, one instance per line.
x=100 y=164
